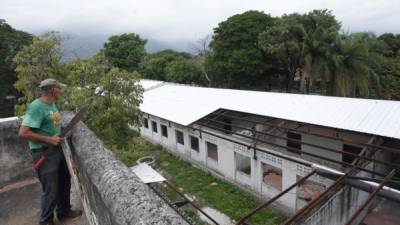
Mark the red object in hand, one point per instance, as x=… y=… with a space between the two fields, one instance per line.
x=39 y=163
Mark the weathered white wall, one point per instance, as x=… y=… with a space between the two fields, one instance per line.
x=335 y=211
x=226 y=165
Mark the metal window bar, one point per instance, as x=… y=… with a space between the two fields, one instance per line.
x=303 y=211
x=370 y=198
x=337 y=182
x=218 y=113
x=324 y=212
x=394 y=150
x=356 y=182
x=190 y=202
x=335 y=176
x=318 y=199
x=276 y=197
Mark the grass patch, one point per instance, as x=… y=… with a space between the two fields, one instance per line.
x=208 y=190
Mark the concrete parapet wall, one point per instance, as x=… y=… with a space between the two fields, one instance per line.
x=111 y=192
x=15 y=160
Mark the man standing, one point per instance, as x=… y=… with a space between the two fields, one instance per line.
x=41 y=126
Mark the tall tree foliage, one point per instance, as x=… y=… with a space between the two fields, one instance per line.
x=301 y=42
x=112 y=94
x=183 y=70
x=321 y=30
x=285 y=41
x=390 y=70
x=11 y=41
x=352 y=64
x=393 y=43
x=125 y=51
x=34 y=63
x=237 y=60
x=154 y=65
x=172 y=66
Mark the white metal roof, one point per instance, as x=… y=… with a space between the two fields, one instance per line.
x=149 y=84
x=186 y=104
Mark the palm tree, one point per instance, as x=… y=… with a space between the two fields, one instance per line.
x=350 y=66
x=321 y=29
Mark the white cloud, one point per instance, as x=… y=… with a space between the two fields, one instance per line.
x=176 y=20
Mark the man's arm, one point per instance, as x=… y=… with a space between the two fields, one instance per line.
x=26 y=133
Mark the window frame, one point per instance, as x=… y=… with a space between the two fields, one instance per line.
x=154 y=126
x=162 y=130
x=191 y=137
x=177 y=137
x=208 y=150
x=292 y=144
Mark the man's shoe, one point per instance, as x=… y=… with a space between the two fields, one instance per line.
x=70 y=214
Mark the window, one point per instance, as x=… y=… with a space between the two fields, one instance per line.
x=309 y=189
x=272 y=176
x=146 y=123
x=164 y=130
x=154 y=126
x=350 y=149
x=295 y=146
x=194 y=143
x=243 y=164
x=212 y=151
x=179 y=137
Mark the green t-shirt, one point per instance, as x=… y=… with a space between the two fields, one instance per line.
x=43 y=119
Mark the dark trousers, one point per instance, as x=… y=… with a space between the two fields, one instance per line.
x=56 y=183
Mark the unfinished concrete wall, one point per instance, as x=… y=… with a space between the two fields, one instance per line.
x=15 y=160
x=112 y=194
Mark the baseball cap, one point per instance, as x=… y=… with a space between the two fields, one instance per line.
x=51 y=82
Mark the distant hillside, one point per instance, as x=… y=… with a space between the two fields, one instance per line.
x=83 y=46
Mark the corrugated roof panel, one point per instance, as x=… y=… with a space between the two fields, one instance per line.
x=357 y=113
x=379 y=113
x=185 y=104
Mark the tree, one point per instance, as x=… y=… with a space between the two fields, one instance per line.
x=390 y=70
x=393 y=43
x=352 y=65
x=183 y=70
x=390 y=78
x=84 y=72
x=285 y=42
x=112 y=94
x=154 y=65
x=114 y=99
x=11 y=41
x=125 y=51
x=203 y=53
x=321 y=29
x=237 y=60
x=34 y=63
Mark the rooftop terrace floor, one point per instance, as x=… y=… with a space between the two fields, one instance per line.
x=20 y=204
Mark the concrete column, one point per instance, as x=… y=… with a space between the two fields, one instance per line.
x=289 y=172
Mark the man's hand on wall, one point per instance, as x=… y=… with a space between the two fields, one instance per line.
x=55 y=140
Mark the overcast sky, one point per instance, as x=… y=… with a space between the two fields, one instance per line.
x=183 y=20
